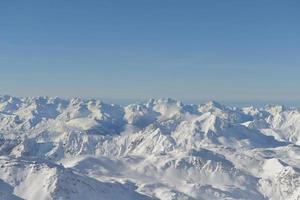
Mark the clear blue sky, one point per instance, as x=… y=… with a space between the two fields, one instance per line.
x=213 y=49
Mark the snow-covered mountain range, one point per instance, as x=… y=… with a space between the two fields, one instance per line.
x=53 y=148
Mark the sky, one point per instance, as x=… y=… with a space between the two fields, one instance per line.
x=229 y=50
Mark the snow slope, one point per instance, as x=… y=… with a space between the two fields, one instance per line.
x=53 y=148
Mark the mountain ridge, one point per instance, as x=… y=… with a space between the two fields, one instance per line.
x=159 y=149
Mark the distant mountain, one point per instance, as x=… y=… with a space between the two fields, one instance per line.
x=53 y=148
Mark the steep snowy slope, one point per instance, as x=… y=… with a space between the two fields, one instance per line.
x=53 y=148
x=39 y=179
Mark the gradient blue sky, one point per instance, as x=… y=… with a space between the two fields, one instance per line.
x=213 y=49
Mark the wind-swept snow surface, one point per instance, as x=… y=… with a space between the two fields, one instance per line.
x=52 y=148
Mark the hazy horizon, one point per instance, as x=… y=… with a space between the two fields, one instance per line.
x=127 y=101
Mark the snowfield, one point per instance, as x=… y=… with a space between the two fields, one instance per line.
x=53 y=148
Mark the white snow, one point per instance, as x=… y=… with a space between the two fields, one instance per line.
x=53 y=148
